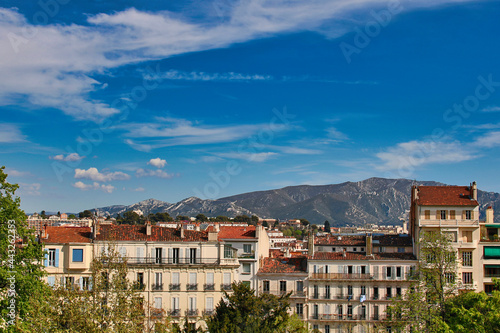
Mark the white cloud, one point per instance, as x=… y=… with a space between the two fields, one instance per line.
x=17 y=173
x=10 y=133
x=408 y=155
x=54 y=66
x=30 y=189
x=153 y=173
x=95 y=186
x=250 y=157
x=139 y=189
x=488 y=140
x=202 y=76
x=336 y=134
x=73 y=157
x=157 y=162
x=94 y=174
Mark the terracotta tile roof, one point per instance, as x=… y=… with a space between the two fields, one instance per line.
x=361 y=256
x=284 y=265
x=392 y=240
x=64 y=235
x=445 y=196
x=158 y=234
x=344 y=240
x=230 y=232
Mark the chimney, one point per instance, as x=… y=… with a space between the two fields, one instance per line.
x=197 y=227
x=182 y=233
x=414 y=189
x=489 y=215
x=217 y=227
x=369 y=245
x=473 y=189
x=148 y=228
x=213 y=235
x=310 y=244
x=258 y=231
x=343 y=252
x=96 y=228
x=44 y=231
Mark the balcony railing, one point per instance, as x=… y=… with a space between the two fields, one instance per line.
x=175 y=286
x=192 y=286
x=209 y=286
x=225 y=286
x=299 y=293
x=448 y=222
x=192 y=313
x=246 y=256
x=157 y=286
x=156 y=313
x=175 y=313
x=209 y=312
x=177 y=261
x=341 y=276
x=326 y=296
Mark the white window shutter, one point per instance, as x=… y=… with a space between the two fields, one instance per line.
x=169 y=256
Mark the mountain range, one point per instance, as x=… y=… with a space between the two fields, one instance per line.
x=374 y=200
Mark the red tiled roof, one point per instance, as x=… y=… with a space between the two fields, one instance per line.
x=445 y=196
x=158 y=234
x=230 y=232
x=284 y=265
x=361 y=256
x=67 y=235
x=344 y=240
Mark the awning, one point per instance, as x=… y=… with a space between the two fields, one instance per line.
x=491 y=266
x=491 y=252
x=495 y=225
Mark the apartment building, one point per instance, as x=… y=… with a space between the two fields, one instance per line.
x=453 y=210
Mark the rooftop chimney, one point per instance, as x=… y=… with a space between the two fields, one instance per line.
x=489 y=215
x=182 y=232
x=369 y=245
x=148 y=228
x=310 y=244
x=97 y=228
x=473 y=189
x=414 y=189
x=44 y=231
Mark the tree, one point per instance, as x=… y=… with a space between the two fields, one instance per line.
x=21 y=270
x=221 y=218
x=265 y=224
x=201 y=218
x=43 y=215
x=242 y=218
x=160 y=217
x=254 y=220
x=423 y=307
x=182 y=218
x=304 y=222
x=85 y=214
x=243 y=312
x=71 y=216
x=131 y=217
x=326 y=226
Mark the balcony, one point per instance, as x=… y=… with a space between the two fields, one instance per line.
x=209 y=286
x=246 y=256
x=157 y=286
x=192 y=286
x=226 y=287
x=341 y=276
x=138 y=286
x=315 y=296
x=156 y=313
x=175 y=286
x=192 y=313
x=174 y=313
x=299 y=293
x=209 y=312
x=173 y=261
x=447 y=223
x=326 y=296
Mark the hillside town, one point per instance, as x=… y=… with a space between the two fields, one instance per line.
x=339 y=279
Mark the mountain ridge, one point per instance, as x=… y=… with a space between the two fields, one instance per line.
x=374 y=200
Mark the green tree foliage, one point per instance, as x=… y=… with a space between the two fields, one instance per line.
x=71 y=216
x=242 y=218
x=423 y=307
x=242 y=311
x=182 y=218
x=160 y=217
x=43 y=215
x=85 y=214
x=265 y=224
x=254 y=220
x=304 y=222
x=201 y=218
x=221 y=218
x=326 y=226
x=131 y=217
x=21 y=266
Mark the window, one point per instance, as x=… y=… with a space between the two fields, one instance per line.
x=468 y=214
x=77 y=255
x=315 y=311
x=158 y=255
x=452 y=215
x=375 y=292
x=158 y=303
x=265 y=286
x=362 y=312
x=363 y=290
x=333 y=249
x=327 y=328
x=209 y=304
x=246 y=283
x=450 y=277
x=283 y=286
x=158 y=281
x=85 y=283
x=467 y=278
x=140 y=280
x=349 y=311
x=452 y=235
x=228 y=251
x=375 y=312
x=69 y=283
x=340 y=310
x=401 y=250
x=349 y=291
x=398 y=272
x=247 y=269
x=427 y=214
x=381 y=249
x=52 y=258
x=192 y=256
x=315 y=291
x=210 y=278
x=354 y=249
x=300 y=286
x=192 y=303
x=442 y=214
x=327 y=292
x=51 y=281
x=315 y=327
x=247 y=248
x=299 y=308
x=389 y=293
x=467 y=258
x=398 y=291
x=388 y=271
x=175 y=256
x=175 y=303
x=467 y=236
x=363 y=269
x=349 y=270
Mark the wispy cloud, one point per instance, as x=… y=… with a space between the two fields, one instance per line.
x=30 y=189
x=95 y=186
x=139 y=189
x=153 y=173
x=94 y=174
x=249 y=157
x=57 y=68
x=73 y=157
x=488 y=140
x=17 y=173
x=202 y=76
x=335 y=134
x=10 y=133
x=491 y=109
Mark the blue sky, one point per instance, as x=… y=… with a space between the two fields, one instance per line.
x=115 y=102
